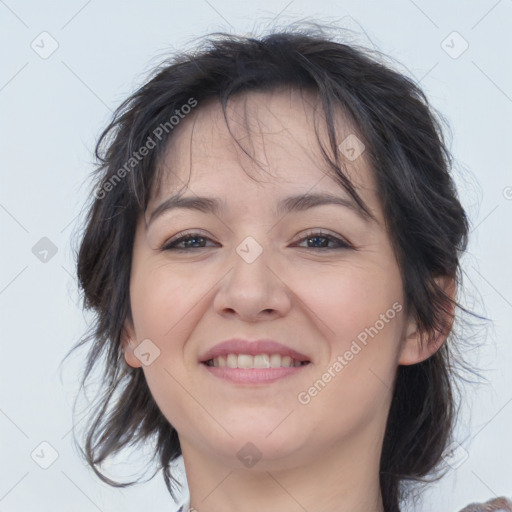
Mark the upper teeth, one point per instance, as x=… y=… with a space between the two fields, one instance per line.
x=258 y=361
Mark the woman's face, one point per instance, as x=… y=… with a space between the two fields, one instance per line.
x=320 y=279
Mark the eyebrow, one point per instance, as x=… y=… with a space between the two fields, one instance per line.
x=297 y=203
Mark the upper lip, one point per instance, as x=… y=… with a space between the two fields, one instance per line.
x=255 y=347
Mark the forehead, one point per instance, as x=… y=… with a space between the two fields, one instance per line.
x=273 y=137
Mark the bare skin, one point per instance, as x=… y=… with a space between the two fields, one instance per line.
x=318 y=454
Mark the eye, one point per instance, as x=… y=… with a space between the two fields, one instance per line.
x=319 y=239
x=190 y=240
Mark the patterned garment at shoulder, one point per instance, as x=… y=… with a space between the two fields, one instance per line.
x=496 y=505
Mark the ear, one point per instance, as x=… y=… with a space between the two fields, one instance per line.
x=129 y=343
x=415 y=347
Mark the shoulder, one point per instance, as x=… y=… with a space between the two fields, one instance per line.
x=496 y=505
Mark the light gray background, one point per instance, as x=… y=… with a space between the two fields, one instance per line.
x=52 y=112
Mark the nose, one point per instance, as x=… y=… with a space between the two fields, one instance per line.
x=254 y=289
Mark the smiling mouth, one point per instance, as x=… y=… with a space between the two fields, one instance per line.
x=259 y=361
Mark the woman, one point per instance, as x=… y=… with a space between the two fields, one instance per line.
x=272 y=252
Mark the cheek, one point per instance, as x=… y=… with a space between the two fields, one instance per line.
x=161 y=300
x=348 y=300
x=162 y=308
x=360 y=315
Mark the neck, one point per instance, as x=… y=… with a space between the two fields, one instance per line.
x=338 y=480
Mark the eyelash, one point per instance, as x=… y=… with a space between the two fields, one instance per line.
x=343 y=244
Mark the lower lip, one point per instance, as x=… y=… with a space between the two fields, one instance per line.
x=253 y=375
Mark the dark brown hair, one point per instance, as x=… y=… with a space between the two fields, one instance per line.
x=411 y=165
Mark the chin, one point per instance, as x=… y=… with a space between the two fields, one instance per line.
x=272 y=447
x=259 y=454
